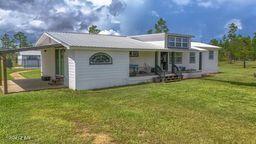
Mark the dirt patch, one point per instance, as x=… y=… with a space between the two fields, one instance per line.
x=95 y=138
x=102 y=139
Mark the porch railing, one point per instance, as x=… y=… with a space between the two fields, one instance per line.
x=177 y=71
x=160 y=72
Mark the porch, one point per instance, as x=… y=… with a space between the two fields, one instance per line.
x=24 y=85
x=20 y=85
x=149 y=63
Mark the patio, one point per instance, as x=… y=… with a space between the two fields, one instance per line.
x=11 y=86
x=23 y=85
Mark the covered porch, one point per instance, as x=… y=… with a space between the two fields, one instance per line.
x=146 y=63
x=20 y=85
x=170 y=64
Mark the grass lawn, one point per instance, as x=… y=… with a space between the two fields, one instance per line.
x=32 y=74
x=9 y=71
x=217 y=109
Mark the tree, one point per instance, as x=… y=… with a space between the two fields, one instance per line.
x=254 y=47
x=150 y=31
x=243 y=48
x=93 y=30
x=231 y=36
x=7 y=42
x=232 y=31
x=215 y=42
x=22 y=39
x=160 y=27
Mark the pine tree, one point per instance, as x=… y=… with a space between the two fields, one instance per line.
x=160 y=27
x=93 y=30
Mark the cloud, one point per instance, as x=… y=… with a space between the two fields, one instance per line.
x=101 y=2
x=109 y=32
x=235 y=21
x=36 y=16
x=155 y=14
x=205 y=4
x=182 y=2
x=212 y=3
x=219 y=3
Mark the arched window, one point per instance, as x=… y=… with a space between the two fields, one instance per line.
x=100 y=59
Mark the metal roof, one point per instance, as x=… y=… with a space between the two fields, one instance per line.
x=203 y=45
x=5 y=51
x=99 y=41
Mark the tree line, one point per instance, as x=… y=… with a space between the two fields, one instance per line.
x=18 y=40
x=236 y=47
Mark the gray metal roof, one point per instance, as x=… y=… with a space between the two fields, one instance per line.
x=13 y=50
x=99 y=41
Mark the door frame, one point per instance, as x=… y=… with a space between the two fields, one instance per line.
x=200 y=61
x=59 y=62
x=164 y=60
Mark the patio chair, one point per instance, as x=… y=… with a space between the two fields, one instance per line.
x=145 y=68
x=57 y=81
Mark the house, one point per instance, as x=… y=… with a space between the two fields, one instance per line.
x=29 y=59
x=88 y=61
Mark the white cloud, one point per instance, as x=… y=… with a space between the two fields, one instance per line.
x=238 y=23
x=182 y=2
x=155 y=14
x=61 y=9
x=101 y=2
x=3 y=14
x=38 y=24
x=109 y=32
x=205 y=4
x=66 y=15
x=218 y=3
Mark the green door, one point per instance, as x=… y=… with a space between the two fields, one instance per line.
x=59 y=62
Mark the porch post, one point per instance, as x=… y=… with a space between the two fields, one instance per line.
x=5 y=86
x=172 y=53
x=156 y=59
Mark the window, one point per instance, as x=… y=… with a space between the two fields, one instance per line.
x=134 y=54
x=172 y=42
x=185 y=42
x=178 y=42
x=192 y=57
x=177 y=58
x=100 y=59
x=211 y=55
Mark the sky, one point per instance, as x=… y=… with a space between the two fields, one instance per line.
x=205 y=19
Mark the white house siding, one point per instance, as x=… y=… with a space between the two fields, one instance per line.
x=71 y=69
x=210 y=66
x=185 y=61
x=66 y=68
x=101 y=76
x=48 y=62
x=144 y=58
x=32 y=53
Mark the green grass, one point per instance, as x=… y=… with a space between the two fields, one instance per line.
x=9 y=71
x=217 y=109
x=32 y=74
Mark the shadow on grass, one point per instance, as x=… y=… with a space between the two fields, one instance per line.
x=122 y=86
x=252 y=84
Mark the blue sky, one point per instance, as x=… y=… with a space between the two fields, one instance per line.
x=205 y=19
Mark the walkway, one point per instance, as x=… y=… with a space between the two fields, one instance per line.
x=17 y=75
